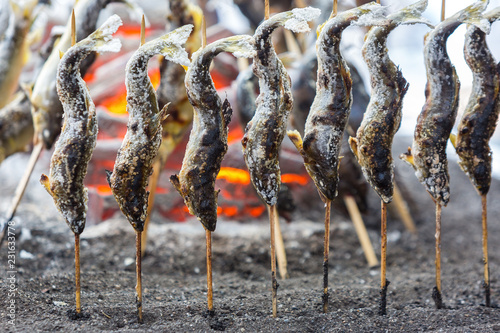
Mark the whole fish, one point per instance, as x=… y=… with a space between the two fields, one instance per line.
x=481 y=113
x=208 y=139
x=14 y=48
x=133 y=165
x=373 y=143
x=172 y=89
x=434 y=124
x=331 y=107
x=47 y=109
x=265 y=132
x=73 y=149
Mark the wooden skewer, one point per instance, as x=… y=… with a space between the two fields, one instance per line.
x=402 y=209
x=443 y=5
x=151 y=200
x=210 y=300
x=266 y=9
x=21 y=187
x=73 y=28
x=280 y=248
x=360 y=228
x=436 y=293
x=272 y=222
x=326 y=254
x=143 y=30
x=138 y=273
x=485 y=252
x=383 y=256
x=77 y=274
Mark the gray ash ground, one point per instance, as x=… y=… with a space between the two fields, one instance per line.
x=174 y=271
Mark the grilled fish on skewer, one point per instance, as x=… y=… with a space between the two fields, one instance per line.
x=133 y=165
x=79 y=133
x=14 y=47
x=330 y=110
x=481 y=114
x=208 y=139
x=265 y=132
x=47 y=109
x=16 y=126
x=373 y=143
x=434 y=124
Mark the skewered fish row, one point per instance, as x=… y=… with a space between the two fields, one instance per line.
x=47 y=109
x=373 y=143
x=330 y=110
x=208 y=139
x=79 y=133
x=434 y=124
x=265 y=132
x=133 y=165
x=481 y=114
x=14 y=47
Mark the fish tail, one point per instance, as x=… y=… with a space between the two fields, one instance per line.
x=172 y=45
x=473 y=14
x=23 y=9
x=412 y=14
x=102 y=38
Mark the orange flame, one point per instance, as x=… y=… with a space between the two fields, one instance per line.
x=234 y=175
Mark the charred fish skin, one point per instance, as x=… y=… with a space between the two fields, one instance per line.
x=133 y=164
x=46 y=109
x=373 y=143
x=265 y=132
x=331 y=107
x=435 y=122
x=73 y=149
x=14 y=48
x=207 y=143
x=481 y=113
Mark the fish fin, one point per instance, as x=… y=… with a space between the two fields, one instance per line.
x=408 y=157
x=227 y=112
x=453 y=140
x=61 y=54
x=174 y=179
x=44 y=180
x=296 y=139
x=27 y=88
x=412 y=14
x=163 y=112
x=353 y=143
x=158 y=119
x=473 y=15
x=102 y=37
x=108 y=176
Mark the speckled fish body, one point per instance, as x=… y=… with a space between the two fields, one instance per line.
x=172 y=89
x=330 y=109
x=76 y=143
x=16 y=126
x=434 y=124
x=133 y=165
x=265 y=132
x=373 y=143
x=481 y=113
x=47 y=109
x=247 y=85
x=14 y=48
x=207 y=143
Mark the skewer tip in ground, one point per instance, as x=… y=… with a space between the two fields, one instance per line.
x=436 y=292
x=138 y=272
x=210 y=300
x=326 y=253
x=383 y=260
x=486 y=282
x=272 y=222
